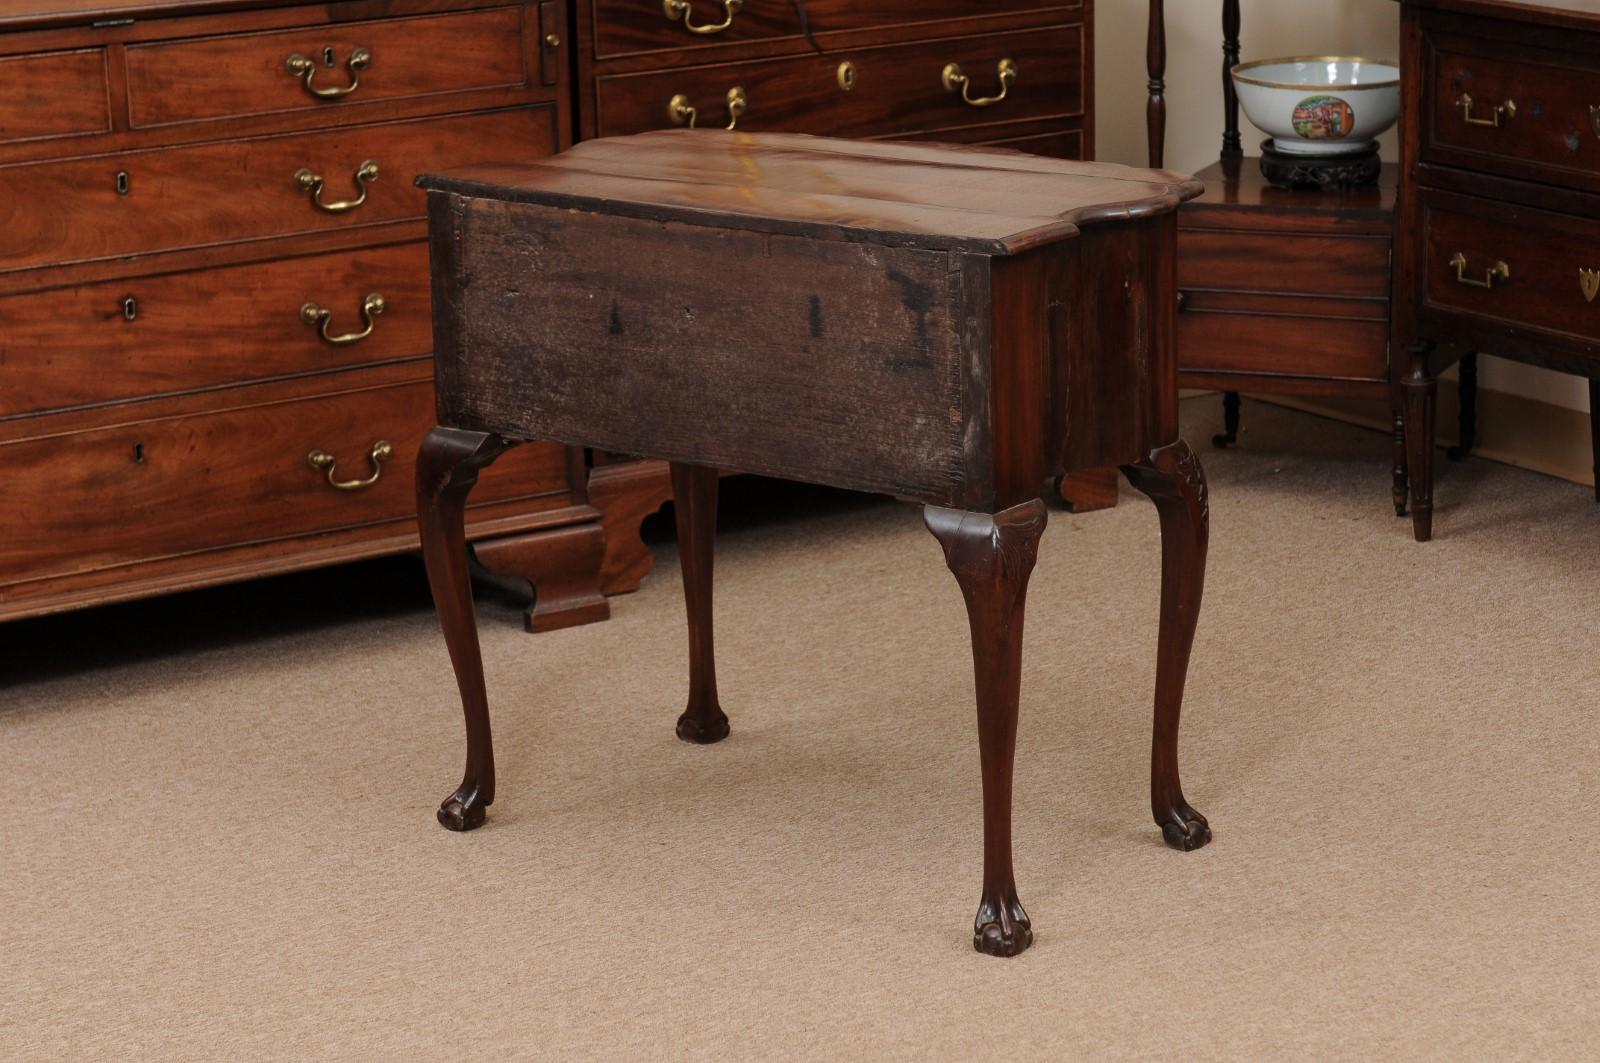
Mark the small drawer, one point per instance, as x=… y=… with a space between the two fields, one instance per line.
x=181 y=485
x=862 y=92
x=321 y=66
x=1285 y=337
x=1299 y=263
x=54 y=94
x=140 y=202
x=1518 y=268
x=131 y=339
x=1515 y=112
x=623 y=27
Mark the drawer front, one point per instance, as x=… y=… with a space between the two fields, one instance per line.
x=1315 y=265
x=623 y=27
x=1063 y=143
x=54 y=94
x=1551 y=281
x=245 y=189
x=182 y=485
x=894 y=89
x=1283 y=343
x=257 y=73
x=131 y=339
x=1514 y=112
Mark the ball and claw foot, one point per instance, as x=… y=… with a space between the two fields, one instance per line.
x=703 y=729
x=1184 y=829
x=463 y=810
x=1001 y=931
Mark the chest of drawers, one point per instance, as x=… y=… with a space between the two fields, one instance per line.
x=214 y=301
x=1499 y=234
x=1016 y=73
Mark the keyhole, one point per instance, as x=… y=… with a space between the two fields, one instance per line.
x=130 y=308
x=122 y=182
x=138 y=453
x=327 y=57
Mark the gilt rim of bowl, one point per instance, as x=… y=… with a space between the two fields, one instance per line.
x=1314 y=59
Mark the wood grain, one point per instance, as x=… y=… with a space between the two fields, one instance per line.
x=54 y=94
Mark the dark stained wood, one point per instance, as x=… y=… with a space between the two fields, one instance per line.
x=623 y=28
x=1174 y=481
x=1282 y=291
x=912 y=330
x=992 y=558
x=1594 y=430
x=694 y=495
x=1156 y=68
x=1518 y=202
x=1467 y=417
x=1085 y=492
x=448 y=463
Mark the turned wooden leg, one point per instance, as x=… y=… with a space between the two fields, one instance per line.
x=992 y=557
x=1467 y=417
x=447 y=466
x=1230 y=420
x=1594 y=431
x=1420 y=387
x=694 y=493
x=1399 y=451
x=1174 y=481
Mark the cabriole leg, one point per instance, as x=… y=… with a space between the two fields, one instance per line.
x=1174 y=481
x=694 y=495
x=992 y=557
x=447 y=466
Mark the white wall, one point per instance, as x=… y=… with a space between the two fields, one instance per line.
x=1194 y=100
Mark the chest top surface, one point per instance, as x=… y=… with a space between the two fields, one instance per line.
x=1575 y=14
x=933 y=196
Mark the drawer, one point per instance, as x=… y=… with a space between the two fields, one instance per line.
x=1552 y=266
x=129 y=339
x=622 y=27
x=894 y=89
x=182 y=485
x=1216 y=337
x=1318 y=265
x=254 y=73
x=193 y=196
x=54 y=94
x=1553 y=135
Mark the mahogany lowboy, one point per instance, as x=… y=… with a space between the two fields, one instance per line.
x=947 y=325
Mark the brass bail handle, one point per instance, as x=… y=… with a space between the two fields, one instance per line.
x=954 y=80
x=680 y=10
x=306 y=69
x=682 y=112
x=320 y=317
x=1503 y=110
x=311 y=182
x=1498 y=272
x=324 y=462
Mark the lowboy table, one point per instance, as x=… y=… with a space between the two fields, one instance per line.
x=952 y=326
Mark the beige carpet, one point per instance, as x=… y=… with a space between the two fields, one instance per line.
x=220 y=842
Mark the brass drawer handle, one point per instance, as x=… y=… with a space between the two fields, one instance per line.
x=676 y=10
x=322 y=461
x=319 y=317
x=308 y=181
x=305 y=69
x=683 y=113
x=1507 y=110
x=1497 y=272
x=954 y=80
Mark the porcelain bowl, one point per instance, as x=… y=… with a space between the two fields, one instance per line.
x=1320 y=105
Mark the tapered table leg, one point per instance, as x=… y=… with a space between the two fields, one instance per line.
x=992 y=558
x=447 y=466
x=1421 y=389
x=694 y=494
x=1398 y=449
x=1174 y=481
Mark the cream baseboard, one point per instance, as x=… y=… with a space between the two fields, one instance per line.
x=1512 y=429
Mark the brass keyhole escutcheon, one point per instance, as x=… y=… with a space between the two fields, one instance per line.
x=846 y=76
